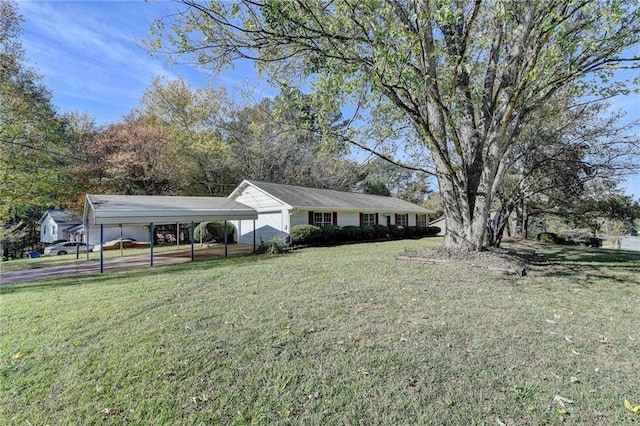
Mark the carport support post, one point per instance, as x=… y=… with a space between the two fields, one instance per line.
x=101 y=248
x=225 y=238
x=86 y=240
x=151 y=243
x=191 y=237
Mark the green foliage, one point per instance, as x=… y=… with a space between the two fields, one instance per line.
x=396 y=231
x=548 y=237
x=310 y=234
x=195 y=143
x=440 y=83
x=280 y=141
x=353 y=233
x=381 y=231
x=274 y=245
x=36 y=151
x=213 y=232
x=305 y=234
x=332 y=233
x=429 y=231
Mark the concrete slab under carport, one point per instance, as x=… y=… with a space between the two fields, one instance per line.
x=125 y=263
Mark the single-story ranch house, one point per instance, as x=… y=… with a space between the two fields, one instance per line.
x=281 y=206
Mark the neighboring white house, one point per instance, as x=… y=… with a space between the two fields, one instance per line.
x=55 y=225
x=281 y=207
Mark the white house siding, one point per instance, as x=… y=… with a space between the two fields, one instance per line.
x=50 y=230
x=273 y=217
x=268 y=225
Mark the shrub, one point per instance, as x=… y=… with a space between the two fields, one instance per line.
x=305 y=234
x=331 y=233
x=411 y=231
x=213 y=231
x=273 y=245
x=593 y=242
x=352 y=233
x=381 y=231
x=548 y=237
x=396 y=231
x=430 y=231
x=368 y=232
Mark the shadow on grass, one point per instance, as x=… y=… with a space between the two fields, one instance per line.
x=132 y=274
x=591 y=265
x=585 y=255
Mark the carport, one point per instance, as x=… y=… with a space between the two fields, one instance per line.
x=151 y=210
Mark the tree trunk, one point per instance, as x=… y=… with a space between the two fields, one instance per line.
x=465 y=217
x=521 y=219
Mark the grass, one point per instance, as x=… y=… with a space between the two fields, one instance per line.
x=339 y=335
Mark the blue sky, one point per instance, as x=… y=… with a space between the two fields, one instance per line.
x=90 y=56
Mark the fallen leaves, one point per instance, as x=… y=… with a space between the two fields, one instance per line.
x=630 y=407
x=109 y=412
x=562 y=401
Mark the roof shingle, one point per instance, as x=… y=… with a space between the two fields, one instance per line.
x=310 y=198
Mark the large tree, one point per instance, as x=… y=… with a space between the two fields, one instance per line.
x=465 y=75
x=560 y=160
x=280 y=141
x=135 y=157
x=194 y=117
x=33 y=141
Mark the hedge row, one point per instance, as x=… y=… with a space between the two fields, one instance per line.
x=311 y=234
x=553 y=238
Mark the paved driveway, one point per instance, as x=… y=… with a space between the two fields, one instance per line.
x=120 y=263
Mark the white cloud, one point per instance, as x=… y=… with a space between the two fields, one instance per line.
x=91 y=51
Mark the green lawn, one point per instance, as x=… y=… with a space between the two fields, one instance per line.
x=340 y=335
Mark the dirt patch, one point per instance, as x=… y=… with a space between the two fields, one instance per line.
x=502 y=260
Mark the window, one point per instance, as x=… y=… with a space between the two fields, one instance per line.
x=402 y=219
x=322 y=219
x=368 y=219
x=422 y=220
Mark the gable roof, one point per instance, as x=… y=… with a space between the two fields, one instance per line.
x=145 y=209
x=61 y=217
x=314 y=198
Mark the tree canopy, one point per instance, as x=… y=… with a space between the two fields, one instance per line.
x=33 y=144
x=459 y=79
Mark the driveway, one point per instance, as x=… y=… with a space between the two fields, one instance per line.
x=631 y=243
x=121 y=263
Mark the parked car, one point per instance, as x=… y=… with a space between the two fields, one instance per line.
x=65 y=248
x=115 y=244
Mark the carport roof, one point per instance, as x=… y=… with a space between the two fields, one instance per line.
x=139 y=209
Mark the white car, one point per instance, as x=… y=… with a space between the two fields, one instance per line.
x=66 y=247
